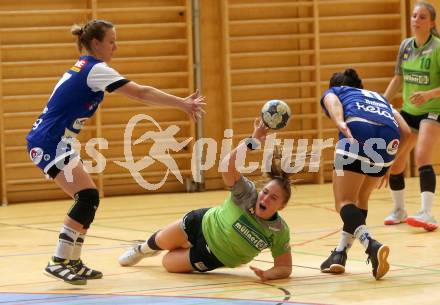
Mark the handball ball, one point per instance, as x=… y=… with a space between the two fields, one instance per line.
x=275 y=114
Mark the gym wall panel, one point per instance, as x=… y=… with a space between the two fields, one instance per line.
x=154 y=48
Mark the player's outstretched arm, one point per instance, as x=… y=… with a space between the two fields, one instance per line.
x=192 y=104
x=231 y=175
x=282 y=268
x=336 y=113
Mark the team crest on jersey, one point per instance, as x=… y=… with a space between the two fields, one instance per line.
x=36 y=154
x=79 y=65
x=91 y=105
x=406 y=52
x=392 y=147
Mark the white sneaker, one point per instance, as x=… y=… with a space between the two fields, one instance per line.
x=396 y=217
x=422 y=220
x=134 y=255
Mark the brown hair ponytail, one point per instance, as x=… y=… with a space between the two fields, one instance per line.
x=94 y=29
x=276 y=173
x=433 y=14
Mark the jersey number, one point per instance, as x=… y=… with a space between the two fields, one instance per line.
x=426 y=63
x=65 y=77
x=37 y=123
x=372 y=94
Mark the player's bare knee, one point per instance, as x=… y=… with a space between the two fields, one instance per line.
x=173 y=263
x=167 y=263
x=85 y=206
x=398 y=166
x=343 y=202
x=422 y=160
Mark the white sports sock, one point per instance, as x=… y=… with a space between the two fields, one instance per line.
x=362 y=234
x=145 y=248
x=345 y=242
x=66 y=241
x=77 y=247
x=427 y=201
x=398 y=198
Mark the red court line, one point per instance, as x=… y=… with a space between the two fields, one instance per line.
x=324 y=208
x=317 y=238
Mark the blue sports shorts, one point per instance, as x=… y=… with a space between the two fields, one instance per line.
x=51 y=158
x=373 y=150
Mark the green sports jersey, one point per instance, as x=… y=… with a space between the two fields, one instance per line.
x=420 y=69
x=235 y=235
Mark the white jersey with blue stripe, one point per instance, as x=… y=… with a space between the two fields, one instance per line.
x=75 y=98
x=365 y=104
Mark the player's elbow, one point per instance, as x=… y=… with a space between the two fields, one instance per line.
x=287 y=272
x=145 y=93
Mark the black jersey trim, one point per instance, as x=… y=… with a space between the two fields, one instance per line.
x=117 y=84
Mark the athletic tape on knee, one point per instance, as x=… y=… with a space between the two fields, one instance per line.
x=397 y=182
x=352 y=218
x=427 y=179
x=85 y=206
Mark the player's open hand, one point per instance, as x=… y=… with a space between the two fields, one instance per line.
x=258 y=272
x=342 y=127
x=193 y=105
x=260 y=131
x=420 y=97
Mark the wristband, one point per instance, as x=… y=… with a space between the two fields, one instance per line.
x=251 y=143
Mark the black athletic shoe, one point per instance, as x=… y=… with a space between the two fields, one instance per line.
x=61 y=271
x=335 y=263
x=82 y=270
x=378 y=254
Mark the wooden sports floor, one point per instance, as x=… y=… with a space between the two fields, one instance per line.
x=28 y=233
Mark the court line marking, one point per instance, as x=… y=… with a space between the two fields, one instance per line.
x=204 y=300
x=286 y=292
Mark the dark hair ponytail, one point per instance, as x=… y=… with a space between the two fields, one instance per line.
x=347 y=78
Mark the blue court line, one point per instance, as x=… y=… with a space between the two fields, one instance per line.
x=110 y=299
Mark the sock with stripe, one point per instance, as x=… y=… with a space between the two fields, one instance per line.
x=66 y=242
x=77 y=247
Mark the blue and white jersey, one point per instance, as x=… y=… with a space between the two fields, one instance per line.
x=362 y=103
x=75 y=98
